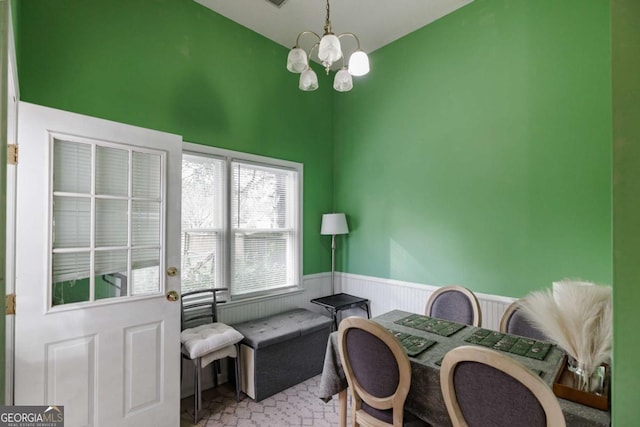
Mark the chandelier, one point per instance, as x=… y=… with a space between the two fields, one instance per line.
x=329 y=52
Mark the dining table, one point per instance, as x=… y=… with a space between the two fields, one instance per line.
x=425 y=399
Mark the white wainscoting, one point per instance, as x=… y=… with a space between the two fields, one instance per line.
x=387 y=294
x=384 y=295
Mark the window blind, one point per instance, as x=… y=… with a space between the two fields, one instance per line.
x=203 y=221
x=263 y=222
x=240 y=223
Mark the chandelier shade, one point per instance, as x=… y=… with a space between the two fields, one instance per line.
x=308 y=80
x=358 y=63
x=297 y=60
x=343 y=81
x=329 y=51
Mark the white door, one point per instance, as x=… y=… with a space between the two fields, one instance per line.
x=98 y=226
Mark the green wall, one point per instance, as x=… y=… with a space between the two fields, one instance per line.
x=176 y=66
x=626 y=209
x=477 y=151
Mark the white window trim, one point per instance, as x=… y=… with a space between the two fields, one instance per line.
x=230 y=156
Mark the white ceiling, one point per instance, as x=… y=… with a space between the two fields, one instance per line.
x=375 y=22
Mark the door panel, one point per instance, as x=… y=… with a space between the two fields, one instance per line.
x=112 y=359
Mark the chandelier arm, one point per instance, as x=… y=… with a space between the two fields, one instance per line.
x=306 y=32
x=311 y=50
x=352 y=35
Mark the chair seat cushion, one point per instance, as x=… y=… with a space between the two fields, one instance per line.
x=208 y=338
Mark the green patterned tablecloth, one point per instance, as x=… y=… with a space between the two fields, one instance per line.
x=425 y=397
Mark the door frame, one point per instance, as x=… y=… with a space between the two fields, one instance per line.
x=12 y=99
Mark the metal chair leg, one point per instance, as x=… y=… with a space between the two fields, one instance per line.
x=238 y=373
x=215 y=370
x=197 y=404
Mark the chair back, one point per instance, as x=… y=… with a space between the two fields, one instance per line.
x=378 y=372
x=455 y=303
x=200 y=307
x=514 y=322
x=483 y=387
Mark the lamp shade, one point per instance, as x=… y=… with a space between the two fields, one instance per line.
x=335 y=223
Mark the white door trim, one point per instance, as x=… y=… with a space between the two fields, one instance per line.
x=13 y=96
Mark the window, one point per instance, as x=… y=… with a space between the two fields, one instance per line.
x=240 y=222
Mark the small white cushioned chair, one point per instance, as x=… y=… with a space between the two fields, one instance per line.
x=205 y=340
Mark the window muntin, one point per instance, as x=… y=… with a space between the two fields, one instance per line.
x=107 y=219
x=240 y=222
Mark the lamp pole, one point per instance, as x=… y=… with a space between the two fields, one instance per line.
x=332 y=224
x=333 y=264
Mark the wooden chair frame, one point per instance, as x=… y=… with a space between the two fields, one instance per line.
x=506 y=316
x=504 y=363
x=358 y=393
x=475 y=304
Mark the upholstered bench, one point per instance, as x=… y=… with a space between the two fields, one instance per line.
x=282 y=350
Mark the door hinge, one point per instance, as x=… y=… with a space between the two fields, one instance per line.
x=10 y=302
x=12 y=154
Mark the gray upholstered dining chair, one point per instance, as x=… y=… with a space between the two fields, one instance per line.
x=455 y=303
x=483 y=387
x=205 y=340
x=378 y=372
x=514 y=322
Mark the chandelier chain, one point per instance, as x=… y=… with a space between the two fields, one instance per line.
x=327 y=22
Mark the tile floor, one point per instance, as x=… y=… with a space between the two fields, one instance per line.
x=296 y=406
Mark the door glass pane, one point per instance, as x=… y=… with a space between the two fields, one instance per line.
x=111 y=274
x=112 y=171
x=70 y=266
x=145 y=271
x=71 y=222
x=145 y=223
x=111 y=222
x=146 y=175
x=70 y=291
x=72 y=167
x=70 y=277
x=111 y=262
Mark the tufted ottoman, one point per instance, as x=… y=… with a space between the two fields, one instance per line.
x=282 y=350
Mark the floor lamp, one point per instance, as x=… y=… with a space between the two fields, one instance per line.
x=332 y=224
